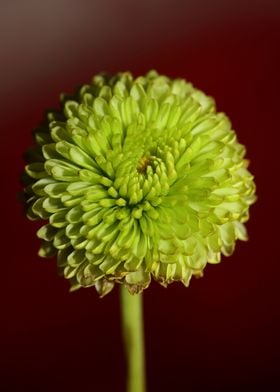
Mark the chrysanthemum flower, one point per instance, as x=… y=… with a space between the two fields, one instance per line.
x=137 y=178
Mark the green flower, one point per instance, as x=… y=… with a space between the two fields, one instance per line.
x=137 y=178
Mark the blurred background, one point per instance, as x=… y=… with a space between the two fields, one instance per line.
x=221 y=334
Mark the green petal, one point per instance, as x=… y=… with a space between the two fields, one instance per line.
x=46 y=232
x=36 y=170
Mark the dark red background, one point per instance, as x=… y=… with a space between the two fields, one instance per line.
x=221 y=334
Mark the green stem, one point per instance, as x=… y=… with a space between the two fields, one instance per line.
x=132 y=324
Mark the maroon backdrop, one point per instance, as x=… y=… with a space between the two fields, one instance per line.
x=221 y=334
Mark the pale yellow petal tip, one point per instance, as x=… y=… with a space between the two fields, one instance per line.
x=103 y=287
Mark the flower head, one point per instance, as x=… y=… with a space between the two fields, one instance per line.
x=137 y=178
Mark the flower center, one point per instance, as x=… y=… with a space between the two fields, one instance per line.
x=144 y=162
